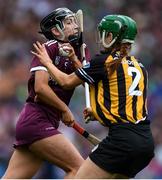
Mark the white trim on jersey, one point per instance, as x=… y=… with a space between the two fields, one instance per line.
x=49 y=43
x=85 y=75
x=38 y=68
x=140 y=120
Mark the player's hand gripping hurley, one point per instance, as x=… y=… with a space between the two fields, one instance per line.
x=79 y=16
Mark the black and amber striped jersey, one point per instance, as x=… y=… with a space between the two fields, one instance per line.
x=119 y=97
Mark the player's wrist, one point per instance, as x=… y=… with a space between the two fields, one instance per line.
x=73 y=57
x=48 y=63
x=64 y=109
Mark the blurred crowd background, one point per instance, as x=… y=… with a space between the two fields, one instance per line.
x=19 y=26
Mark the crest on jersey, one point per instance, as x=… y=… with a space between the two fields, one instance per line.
x=57 y=60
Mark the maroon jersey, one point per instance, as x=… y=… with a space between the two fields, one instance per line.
x=62 y=63
x=38 y=120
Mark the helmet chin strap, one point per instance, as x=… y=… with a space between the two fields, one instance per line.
x=104 y=42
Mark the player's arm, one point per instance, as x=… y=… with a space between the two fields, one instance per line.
x=67 y=81
x=81 y=75
x=63 y=79
x=76 y=62
x=45 y=93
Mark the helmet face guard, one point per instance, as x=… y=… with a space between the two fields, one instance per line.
x=55 y=19
x=123 y=29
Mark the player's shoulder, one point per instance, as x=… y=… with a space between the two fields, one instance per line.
x=51 y=44
x=52 y=48
x=137 y=60
x=100 y=58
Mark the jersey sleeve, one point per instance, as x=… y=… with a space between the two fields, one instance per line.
x=93 y=71
x=36 y=65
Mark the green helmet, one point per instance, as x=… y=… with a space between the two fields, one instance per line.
x=123 y=29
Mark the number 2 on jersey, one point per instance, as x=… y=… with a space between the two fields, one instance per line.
x=132 y=91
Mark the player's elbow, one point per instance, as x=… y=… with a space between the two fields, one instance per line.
x=66 y=81
x=39 y=89
x=67 y=85
x=71 y=81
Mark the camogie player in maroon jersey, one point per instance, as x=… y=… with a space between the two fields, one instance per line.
x=37 y=135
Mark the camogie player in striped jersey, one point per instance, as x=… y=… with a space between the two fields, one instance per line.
x=37 y=134
x=118 y=90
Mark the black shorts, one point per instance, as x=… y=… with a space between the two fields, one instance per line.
x=127 y=150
